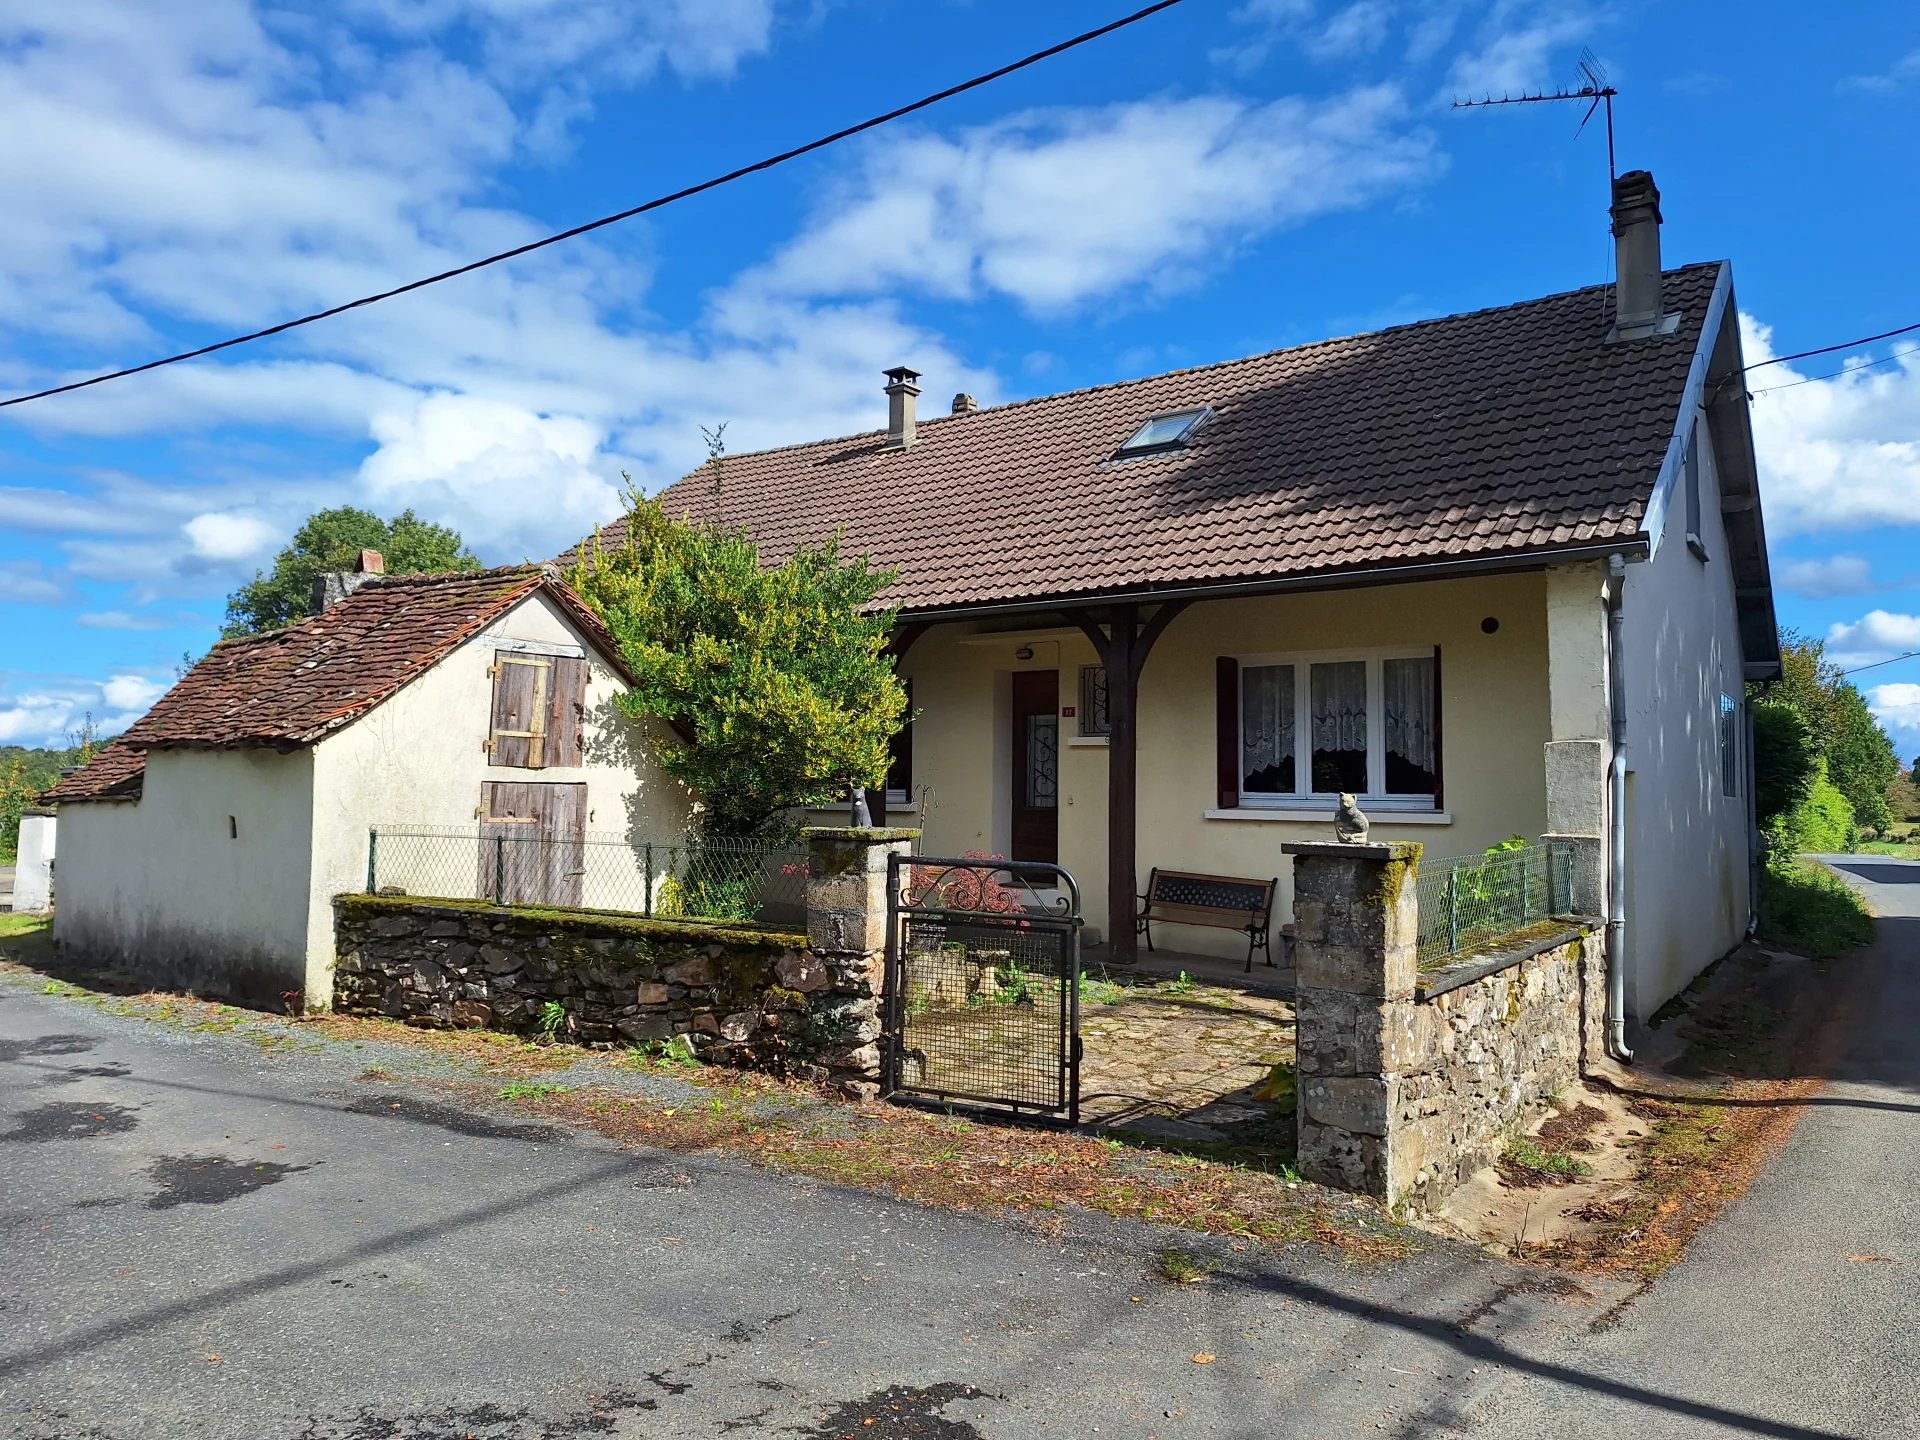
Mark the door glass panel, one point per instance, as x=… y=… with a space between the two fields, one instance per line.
x=1043 y=761
x=1266 y=730
x=1406 y=700
x=1338 y=696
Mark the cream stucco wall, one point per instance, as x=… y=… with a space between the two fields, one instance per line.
x=1494 y=706
x=33 y=866
x=1687 y=841
x=200 y=885
x=171 y=888
x=419 y=760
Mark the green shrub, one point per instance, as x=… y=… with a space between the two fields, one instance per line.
x=1823 y=822
x=1805 y=906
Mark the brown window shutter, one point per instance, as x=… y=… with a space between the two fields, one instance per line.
x=1439 y=748
x=519 y=723
x=566 y=716
x=1226 y=680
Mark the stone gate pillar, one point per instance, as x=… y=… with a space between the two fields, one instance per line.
x=1356 y=921
x=847 y=932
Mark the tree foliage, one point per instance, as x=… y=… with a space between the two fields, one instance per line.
x=25 y=773
x=1784 y=759
x=1857 y=757
x=1822 y=823
x=774 y=680
x=333 y=540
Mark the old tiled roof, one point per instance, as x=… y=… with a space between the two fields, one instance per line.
x=1504 y=432
x=114 y=774
x=291 y=687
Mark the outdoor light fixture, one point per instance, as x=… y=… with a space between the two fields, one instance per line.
x=1025 y=652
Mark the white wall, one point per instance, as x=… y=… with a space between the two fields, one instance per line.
x=1494 y=705
x=201 y=885
x=1687 y=842
x=418 y=759
x=33 y=869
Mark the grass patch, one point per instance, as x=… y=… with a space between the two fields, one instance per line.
x=1805 y=906
x=1095 y=991
x=1182 y=1267
x=1526 y=1163
x=530 y=1090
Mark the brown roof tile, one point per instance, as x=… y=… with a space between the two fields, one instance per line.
x=294 y=686
x=1500 y=432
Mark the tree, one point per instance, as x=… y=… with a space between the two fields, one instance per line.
x=1784 y=759
x=333 y=540
x=1860 y=761
x=773 y=680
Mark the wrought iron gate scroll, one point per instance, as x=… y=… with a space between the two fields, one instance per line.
x=982 y=995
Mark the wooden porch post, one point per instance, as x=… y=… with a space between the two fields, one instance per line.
x=1123 y=648
x=897 y=645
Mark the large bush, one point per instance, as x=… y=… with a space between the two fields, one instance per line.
x=1785 y=759
x=1822 y=823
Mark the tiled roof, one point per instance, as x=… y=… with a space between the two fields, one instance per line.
x=1501 y=432
x=291 y=687
x=114 y=774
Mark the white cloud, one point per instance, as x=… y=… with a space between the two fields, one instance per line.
x=1824 y=579
x=25 y=582
x=46 y=713
x=1839 y=453
x=1058 y=207
x=1897 y=708
x=225 y=538
x=1874 y=636
x=518 y=480
x=127 y=620
x=1518 y=48
x=1903 y=72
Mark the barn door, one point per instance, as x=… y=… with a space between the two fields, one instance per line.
x=532 y=843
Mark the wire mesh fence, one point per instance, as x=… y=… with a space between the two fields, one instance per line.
x=1475 y=901
x=763 y=881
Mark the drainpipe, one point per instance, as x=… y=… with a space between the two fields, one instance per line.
x=1617 y=817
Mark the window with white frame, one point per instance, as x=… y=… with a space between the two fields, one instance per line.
x=1729 y=745
x=1362 y=722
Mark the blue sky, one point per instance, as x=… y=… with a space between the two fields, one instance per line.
x=1230 y=177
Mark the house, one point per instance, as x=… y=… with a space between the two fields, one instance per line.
x=1497 y=574
x=202 y=849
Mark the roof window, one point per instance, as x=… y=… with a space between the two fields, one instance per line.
x=1161 y=433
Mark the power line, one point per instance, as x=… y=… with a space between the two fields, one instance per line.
x=1911 y=654
x=605 y=220
x=1843 y=370
x=1829 y=349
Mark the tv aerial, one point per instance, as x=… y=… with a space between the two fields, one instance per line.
x=1595 y=91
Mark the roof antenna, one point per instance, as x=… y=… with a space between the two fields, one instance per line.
x=1595 y=90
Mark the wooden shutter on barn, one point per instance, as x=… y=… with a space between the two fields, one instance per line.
x=518 y=732
x=566 y=719
x=532 y=842
x=1226 y=726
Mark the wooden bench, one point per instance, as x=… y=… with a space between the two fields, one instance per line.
x=1221 y=902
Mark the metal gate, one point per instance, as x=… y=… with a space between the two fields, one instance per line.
x=982 y=1000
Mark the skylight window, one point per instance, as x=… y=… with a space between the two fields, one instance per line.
x=1164 y=432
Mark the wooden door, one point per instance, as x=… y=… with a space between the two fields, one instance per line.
x=1035 y=800
x=532 y=843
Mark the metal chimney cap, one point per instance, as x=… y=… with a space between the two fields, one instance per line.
x=902 y=376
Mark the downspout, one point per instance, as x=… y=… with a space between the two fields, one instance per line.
x=1617 y=816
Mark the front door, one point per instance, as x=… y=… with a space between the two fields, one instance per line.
x=1036 y=766
x=532 y=842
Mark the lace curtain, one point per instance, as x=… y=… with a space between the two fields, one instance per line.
x=1407 y=700
x=1339 y=700
x=1266 y=729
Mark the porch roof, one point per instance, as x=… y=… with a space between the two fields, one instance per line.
x=1500 y=434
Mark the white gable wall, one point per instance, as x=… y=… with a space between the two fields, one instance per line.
x=1687 y=841
x=419 y=758
x=202 y=884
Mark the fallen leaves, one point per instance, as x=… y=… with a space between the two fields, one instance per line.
x=1873 y=1259
x=1205 y=1358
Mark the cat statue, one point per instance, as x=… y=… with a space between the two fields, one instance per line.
x=1349 y=825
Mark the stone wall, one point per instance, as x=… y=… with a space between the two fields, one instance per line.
x=791 y=1003
x=1407 y=1082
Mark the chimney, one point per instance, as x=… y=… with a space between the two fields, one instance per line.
x=333 y=586
x=964 y=404
x=900 y=396
x=1638 y=307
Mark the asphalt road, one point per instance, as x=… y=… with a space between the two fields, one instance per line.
x=197 y=1239
x=1801 y=1305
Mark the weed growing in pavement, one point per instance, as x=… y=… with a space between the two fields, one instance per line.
x=532 y=1090
x=1181 y=984
x=1182 y=1267
x=676 y=1050
x=1101 y=992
